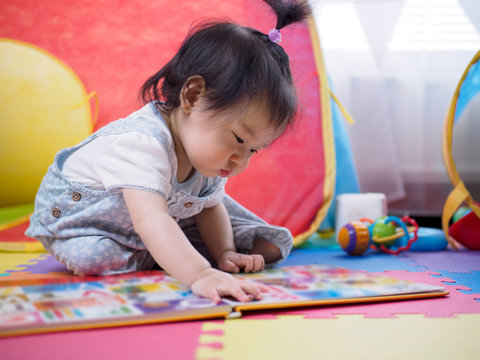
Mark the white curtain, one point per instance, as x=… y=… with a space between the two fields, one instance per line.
x=394 y=65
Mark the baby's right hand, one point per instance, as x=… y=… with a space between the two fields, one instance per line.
x=214 y=284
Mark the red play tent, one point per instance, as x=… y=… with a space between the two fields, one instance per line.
x=113 y=46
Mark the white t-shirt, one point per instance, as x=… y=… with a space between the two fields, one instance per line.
x=133 y=159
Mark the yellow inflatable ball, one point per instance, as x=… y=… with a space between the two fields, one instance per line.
x=43 y=108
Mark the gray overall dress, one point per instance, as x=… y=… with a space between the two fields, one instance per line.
x=91 y=232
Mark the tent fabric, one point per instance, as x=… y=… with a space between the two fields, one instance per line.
x=468 y=87
x=56 y=115
x=346 y=182
x=113 y=46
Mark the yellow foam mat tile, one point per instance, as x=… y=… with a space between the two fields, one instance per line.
x=17 y=261
x=345 y=337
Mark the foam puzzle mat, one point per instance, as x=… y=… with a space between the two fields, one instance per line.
x=82 y=33
x=343 y=337
x=440 y=328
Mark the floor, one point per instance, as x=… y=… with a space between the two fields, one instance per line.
x=440 y=328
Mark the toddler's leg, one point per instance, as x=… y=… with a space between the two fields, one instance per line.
x=253 y=235
x=98 y=255
x=189 y=228
x=270 y=252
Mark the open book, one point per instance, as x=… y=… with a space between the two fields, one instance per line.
x=45 y=305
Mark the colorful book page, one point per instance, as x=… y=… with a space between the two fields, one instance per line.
x=43 y=305
x=305 y=285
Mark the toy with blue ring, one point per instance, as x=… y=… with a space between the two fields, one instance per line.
x=389 y=234
x=402 y=237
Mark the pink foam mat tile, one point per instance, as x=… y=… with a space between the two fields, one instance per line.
x=158 y=341
x=457 y=302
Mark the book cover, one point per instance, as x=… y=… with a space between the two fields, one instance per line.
x=45 y=305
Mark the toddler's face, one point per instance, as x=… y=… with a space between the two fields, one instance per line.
x=221 y=143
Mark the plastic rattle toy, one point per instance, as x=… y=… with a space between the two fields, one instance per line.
x=390 y=234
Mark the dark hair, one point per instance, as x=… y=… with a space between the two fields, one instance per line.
x=238 y=63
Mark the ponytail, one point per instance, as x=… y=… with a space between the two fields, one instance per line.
x=289 y=11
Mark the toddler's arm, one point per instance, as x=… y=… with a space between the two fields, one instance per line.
x=216 y=232
x=173 y=252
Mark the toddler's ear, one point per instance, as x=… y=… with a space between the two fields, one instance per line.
x=193 y=89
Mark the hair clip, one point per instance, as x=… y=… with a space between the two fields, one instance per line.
x=275 y=36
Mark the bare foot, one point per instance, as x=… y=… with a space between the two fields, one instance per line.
x=265 y=248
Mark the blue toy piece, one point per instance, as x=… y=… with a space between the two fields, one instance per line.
x=429 y=239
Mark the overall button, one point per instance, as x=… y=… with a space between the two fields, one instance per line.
x=188 y=204
x=76 y=196
x=56 y=213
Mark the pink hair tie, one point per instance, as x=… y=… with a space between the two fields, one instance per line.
x=275 y=36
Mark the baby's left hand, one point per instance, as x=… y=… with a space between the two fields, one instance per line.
x=233 y=262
